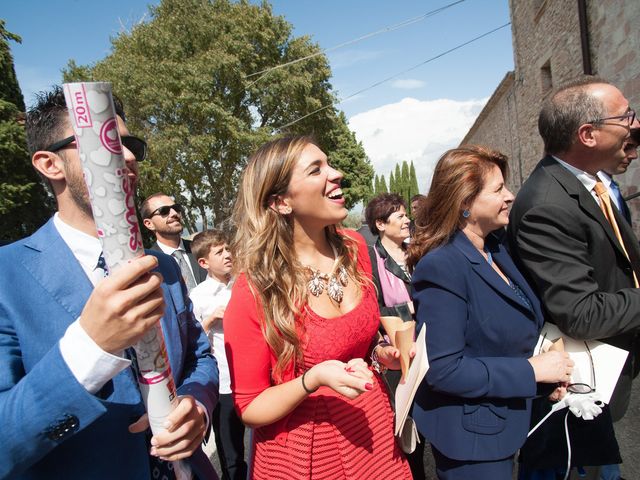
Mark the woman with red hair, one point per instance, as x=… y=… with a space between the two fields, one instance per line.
x=482 y=321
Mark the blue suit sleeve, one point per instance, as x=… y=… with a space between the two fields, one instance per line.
x=39 y=409
x=200 y=376
x=441 y=299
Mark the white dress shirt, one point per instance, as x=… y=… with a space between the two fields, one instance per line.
x=588 y=180
x=206 y=297
x=607 y=181
x=92 y=366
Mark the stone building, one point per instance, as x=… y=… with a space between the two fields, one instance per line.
x=556 y=41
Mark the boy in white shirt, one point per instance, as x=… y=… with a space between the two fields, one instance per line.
x=210 y=299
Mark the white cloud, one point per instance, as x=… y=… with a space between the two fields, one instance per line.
x=414 y=130
x=408 y=84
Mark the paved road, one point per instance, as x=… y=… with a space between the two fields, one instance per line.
x=628 y=434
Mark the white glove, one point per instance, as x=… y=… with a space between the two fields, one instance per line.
x=585 y=405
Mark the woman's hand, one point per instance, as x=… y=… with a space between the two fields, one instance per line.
x=559 y=393
x=348 y=379
x=552 y=367
x=389 y=356
x=214 y=318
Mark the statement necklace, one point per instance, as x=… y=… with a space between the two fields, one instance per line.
x=333 y=282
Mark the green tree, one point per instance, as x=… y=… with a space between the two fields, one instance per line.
x=397 y=174
x=392 y=182
x=383 y=185
x=405 y=185
x=185 y=77
x=415 y=190
x=349 y=157
x=24 y=203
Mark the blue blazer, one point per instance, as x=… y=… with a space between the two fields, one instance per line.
x=51 y=426
x=474 y=403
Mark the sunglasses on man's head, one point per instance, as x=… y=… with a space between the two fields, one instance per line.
x=166 y=209
x=135 y=145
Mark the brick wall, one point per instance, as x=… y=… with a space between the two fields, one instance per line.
x=547 y=52
x=614 y=27
x=495 y=127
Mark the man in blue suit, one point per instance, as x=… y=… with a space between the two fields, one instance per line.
x=70 y=406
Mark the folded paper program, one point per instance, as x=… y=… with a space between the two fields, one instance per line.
x=401 y=335
x=407 y=390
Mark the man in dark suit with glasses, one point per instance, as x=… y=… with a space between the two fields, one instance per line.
x=577 y=250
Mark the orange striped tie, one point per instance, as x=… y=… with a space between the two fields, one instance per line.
x=605 y=206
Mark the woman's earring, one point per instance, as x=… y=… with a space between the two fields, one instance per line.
x=286 y=210
x=466 y=213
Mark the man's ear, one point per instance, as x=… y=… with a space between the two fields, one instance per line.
x=49 y=165
x=204 y=263
x=587 y=135
x=279 y=205
x=149 y=224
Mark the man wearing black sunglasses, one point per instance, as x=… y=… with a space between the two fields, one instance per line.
x=70 y=404
x=162 y=216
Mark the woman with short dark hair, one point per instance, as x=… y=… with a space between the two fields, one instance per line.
x=387 y=218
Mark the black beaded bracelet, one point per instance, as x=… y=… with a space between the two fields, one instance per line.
x=305 y=387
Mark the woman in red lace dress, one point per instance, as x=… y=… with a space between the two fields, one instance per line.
x=302 y=318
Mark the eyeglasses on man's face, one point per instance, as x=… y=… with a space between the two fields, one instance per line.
x=166 y=210
x=630 y=116
x=135 y=145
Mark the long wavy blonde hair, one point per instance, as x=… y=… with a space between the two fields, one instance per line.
x=263 y=248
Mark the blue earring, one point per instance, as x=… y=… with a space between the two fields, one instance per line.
x=466 y=213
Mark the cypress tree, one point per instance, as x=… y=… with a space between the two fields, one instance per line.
x=383 y=185
x=24 y=203
x=406 y=182
x=415 y=190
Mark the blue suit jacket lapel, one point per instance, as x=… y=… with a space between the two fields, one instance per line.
x=489 y=275
x=57 y=271
x=175 y=332
x=171 y=332
x=508 y=267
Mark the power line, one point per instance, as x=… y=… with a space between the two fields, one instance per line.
x=397 y=74
x=356 y=40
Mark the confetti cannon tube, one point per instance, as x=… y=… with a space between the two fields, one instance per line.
x=95 y=126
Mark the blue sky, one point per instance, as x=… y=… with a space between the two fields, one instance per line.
x=414 y=117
